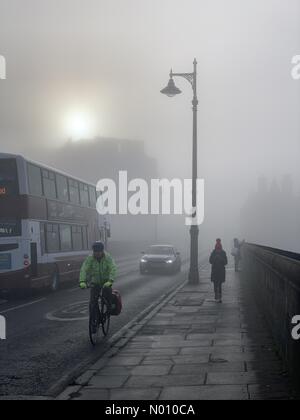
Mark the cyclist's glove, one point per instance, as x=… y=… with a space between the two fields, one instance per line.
x=83 y=286
x=108 y=284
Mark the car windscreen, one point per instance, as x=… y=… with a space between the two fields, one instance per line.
x=160 y=250
x=9 y=185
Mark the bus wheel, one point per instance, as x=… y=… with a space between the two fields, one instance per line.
x=54 y=286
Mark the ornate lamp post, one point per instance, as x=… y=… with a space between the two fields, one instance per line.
x=171 y=90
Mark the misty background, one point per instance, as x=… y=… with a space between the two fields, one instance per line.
x=109 y=59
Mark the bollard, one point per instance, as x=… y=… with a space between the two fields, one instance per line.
x=2 y=68
x=2 y=328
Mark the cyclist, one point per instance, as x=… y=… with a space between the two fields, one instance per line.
x=99 y=272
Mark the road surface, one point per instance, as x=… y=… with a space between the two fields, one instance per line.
x=47 y=335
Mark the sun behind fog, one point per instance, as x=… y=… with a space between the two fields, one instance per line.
x=80 y=126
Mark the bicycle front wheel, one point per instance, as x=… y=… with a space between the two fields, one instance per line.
x=105 y=316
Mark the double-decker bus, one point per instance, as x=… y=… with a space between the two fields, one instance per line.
x=48 y=221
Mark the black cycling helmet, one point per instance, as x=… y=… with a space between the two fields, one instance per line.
x=98 y=247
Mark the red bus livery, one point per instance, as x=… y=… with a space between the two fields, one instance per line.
x=48 y=221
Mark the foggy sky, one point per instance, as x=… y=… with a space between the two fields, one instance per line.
x=112 y=58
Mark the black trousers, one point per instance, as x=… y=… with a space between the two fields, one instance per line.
x=218 y=290
x=95 y=295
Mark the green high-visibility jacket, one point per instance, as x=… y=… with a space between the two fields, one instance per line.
x=98 y=273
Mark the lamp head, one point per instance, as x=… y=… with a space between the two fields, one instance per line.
x=171 y=90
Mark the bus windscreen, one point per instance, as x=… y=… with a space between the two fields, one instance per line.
x=10 y=229
x=9 y=185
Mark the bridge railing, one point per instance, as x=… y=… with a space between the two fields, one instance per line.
x=274 y=277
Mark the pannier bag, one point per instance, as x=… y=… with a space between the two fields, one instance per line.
x=116 y=306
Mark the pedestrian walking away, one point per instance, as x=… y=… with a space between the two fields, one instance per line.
x=237 y=253
x=219 y=261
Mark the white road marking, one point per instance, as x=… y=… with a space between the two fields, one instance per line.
x=23 y=306
x=51 y=317
x=77 y=308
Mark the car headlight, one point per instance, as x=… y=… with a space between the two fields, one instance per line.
x=143 y=260
x=170 y=261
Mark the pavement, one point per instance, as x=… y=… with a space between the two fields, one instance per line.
x=191 y=348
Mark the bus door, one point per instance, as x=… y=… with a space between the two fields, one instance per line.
x=34 y=259
x=34 y=247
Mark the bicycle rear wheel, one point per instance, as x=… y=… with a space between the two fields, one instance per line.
x=105 y=316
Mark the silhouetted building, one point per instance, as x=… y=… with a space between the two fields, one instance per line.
x=97 y=159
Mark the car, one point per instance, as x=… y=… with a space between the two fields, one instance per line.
x=161 y=258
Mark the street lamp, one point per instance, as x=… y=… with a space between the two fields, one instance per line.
x=171 y=90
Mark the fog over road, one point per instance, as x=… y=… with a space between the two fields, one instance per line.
x=44 y=343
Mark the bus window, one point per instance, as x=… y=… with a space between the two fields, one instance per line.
x=85 y=238
x=49 y=184
x=74 y=191
x=77 y=238
x=9 y=229
x=84 y=195
x=62 y=188
x=8 y=177
x=92 y=191
x=65 y=238
x=52 y=238
x=34 y=180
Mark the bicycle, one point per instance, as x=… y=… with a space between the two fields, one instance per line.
x=99 y=318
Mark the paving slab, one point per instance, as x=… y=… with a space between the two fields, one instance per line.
x=107 y=382
x=125 y=361
x=207 y=368
x=232 y=378
x=205 y=393
x=116 y=371
x=151 y=370
x=169 y=351
x=181 y=343
x=164 y=381
x=187 y=359
x=217 y=351
x=125 y=394
x=158 y=360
